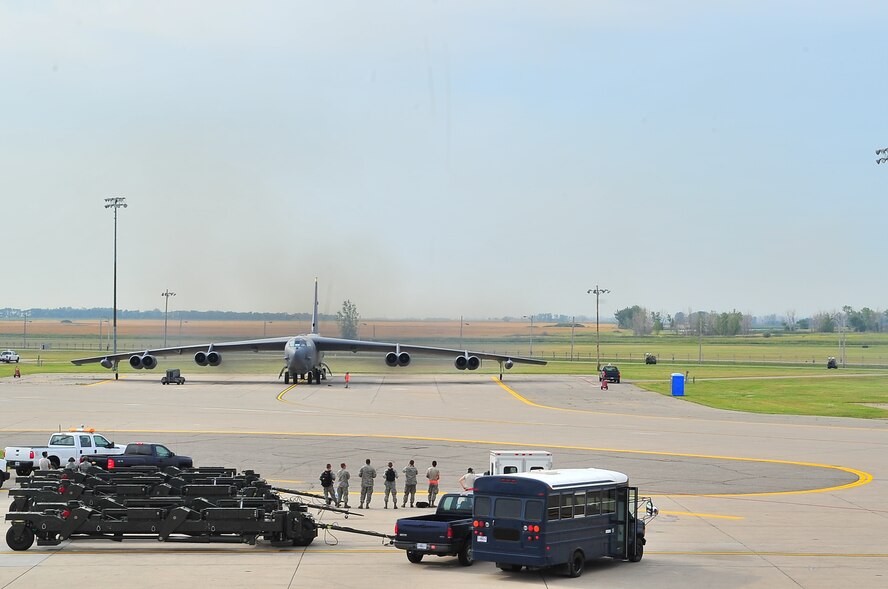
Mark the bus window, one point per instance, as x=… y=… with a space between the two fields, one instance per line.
x=593 y=503
x=482 y=506
x=533 y=511
x=566 y=506
x=552 y=513
x=609 y=502
x=579 y=504
x=510 y=508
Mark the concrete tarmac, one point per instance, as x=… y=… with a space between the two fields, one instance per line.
x=746 y=500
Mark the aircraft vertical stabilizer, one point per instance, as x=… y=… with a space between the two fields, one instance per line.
x=314 y=313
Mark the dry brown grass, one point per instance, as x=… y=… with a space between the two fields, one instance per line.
x=370 y=329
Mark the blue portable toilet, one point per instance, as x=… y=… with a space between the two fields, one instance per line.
x=678 y=384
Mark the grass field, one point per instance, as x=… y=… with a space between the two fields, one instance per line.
x=799 y=359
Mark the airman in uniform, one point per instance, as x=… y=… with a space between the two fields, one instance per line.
x=434 y=475
x=391 y=475
x=342 y=476
x=367 y=474
x=410 y=471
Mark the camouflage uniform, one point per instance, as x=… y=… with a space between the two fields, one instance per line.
x=434 y=475
x=367 y=474
x=410 y=473
x=390 y=488
x=342 y=476
x=329 y=490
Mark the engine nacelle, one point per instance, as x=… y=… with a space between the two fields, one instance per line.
x=106 y=363
x=508 y=364
x=214 y=358
x=139 y=362
x=461 y=362
x=474 y=363
x=391 y=359
x=200 y=358
x=403 y=359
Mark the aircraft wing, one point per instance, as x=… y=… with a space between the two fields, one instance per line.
x=334 y=344
x=252 y=345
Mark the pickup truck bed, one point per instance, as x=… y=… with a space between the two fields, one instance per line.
x=447 y=532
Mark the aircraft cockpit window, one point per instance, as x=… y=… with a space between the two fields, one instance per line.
x=298 y=343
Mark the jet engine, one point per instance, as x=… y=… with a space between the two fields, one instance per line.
x=214 y=358
x=467 y=362
x=106 y=363
x=391 y=359
x=403 y=359
x=138 y=362
x=200 y=358
x=508 y=364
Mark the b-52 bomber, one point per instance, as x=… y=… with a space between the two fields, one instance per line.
x=304 y=354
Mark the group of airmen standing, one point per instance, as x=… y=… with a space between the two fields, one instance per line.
x=335 y=486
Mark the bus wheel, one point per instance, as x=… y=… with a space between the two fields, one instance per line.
x=576 y=563
x=414 y=557
x=638 y=552
x=465 y=555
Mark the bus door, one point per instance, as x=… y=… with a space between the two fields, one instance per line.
x=627 y=506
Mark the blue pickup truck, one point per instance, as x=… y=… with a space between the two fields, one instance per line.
x=447 y=532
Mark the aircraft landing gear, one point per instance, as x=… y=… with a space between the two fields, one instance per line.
x=286 y=377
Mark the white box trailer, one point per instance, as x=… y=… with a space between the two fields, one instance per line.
x=512 y=461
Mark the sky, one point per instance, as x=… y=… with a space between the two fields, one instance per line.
x=445 y=159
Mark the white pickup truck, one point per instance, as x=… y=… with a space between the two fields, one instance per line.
x=9 y=356
x=74 y=443
x=3 y=474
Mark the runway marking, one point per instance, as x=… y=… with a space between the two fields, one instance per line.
x=704 y=515
x=106 y=381
x=863 y=478
x=527 y=401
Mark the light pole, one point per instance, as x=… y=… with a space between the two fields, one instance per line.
x=25 y=322
x=531 y=333
x=573 y=325
x=180 y=329
x=115 y=203
x=598 y=292
x=100 y=331
x=461 y=323
x=166 y=311
x=265 y=327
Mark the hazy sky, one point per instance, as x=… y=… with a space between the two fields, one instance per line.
x=445 y=158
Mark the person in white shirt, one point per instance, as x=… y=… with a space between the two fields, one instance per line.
x=467 y=481
x=44 y=463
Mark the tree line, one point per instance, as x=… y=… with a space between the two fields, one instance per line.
x=644 y=322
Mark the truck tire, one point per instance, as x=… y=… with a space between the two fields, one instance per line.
x=465 y=556
x=23 y=471
x=414 y=556
x=576 y=564
x=19 y=537
x=164 y=380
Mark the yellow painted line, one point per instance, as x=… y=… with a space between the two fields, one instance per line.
x=280 y=397
x=703 y=515
x=106 y=381
x=863 y=478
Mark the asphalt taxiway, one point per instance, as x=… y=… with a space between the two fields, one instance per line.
x=746 y=500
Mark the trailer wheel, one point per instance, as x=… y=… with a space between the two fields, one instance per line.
x=638 y=552
x=54 y=461
x=414 y=556
x=302 y=541
x=182 y=380
x=19 y=538
x=164 y=380
x=465 y=556
x=23 y=471
x=576 y=564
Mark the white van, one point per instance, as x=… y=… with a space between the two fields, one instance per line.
x=512 y=461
